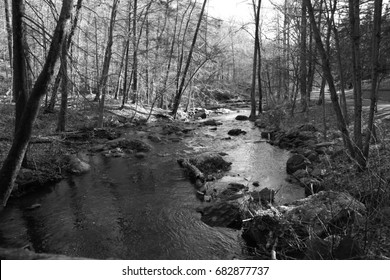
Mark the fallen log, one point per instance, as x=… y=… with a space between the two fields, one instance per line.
x=194 y=173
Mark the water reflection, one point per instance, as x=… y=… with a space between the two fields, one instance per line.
x=127 y=208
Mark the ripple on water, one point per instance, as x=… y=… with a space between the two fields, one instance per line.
x=131 y=209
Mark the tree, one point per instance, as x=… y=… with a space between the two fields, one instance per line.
x=20 y=57
x=252 y=115
x=303 y=58
x=13 y=161
x=354 y=18
x=134 y=85
x=64 y=69
x=9 y=30
x=325 y=64
x=180 y=90
x=375 y=67
x=106 y=64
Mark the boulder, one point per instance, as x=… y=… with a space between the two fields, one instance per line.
x=236 y=132
x=25 y=175
x=256 y=183
x=222 y=214
x=306 y=227
x=210 y=163
x=201 y=113
x=201 y=167
x=296 y=162
x=117 y=152
x=140 y=155
x=77 y=166
x=129 y=145
x=154 y=138
x=295 y=139
x=260 y=123
x=242 y=118
x=323 y=209
x=212 y=122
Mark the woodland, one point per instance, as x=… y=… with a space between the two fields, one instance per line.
x=312 y=79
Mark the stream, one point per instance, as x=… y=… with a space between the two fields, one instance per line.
x=128 y=208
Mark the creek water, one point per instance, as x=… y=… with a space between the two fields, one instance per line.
x=127 y=208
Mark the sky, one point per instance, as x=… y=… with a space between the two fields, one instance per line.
x=240 y=10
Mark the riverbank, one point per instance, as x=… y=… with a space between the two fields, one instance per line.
x=330 y=169
x=333 y=170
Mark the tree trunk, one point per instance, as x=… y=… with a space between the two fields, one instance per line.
x=127 y=50
x=165 y=81
x=97 y=96
x=53 y=98
x=179 y=92
x=9 y=30
x=134 y=84
x=20 y=75
x=259 y=77
x=376 y=39
x=180 y=49
x=13 y=161
x=341 y=71
x=303 y=57
x=354 y=17
x=328 y=75
x=64 y=88
x=106 y=63
x=64 y=70
x=252 y=115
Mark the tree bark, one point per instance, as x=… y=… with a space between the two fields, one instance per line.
x=303 y=57
x=354 y=18
x=134 y=85
x=165 y=81
x=20 y=75
x=328 y=75
x=9 y=30
x=64 y=70
x=127 y=50
x=252 y=115
x=64 y=88
x=13 y=161
x=106 y=63
x=376 y=39
x=179 y=92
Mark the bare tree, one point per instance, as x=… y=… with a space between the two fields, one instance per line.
x=134 y=85
x=376 y=39
x=106 y=64
x=9 y=30
x=64 y=70
x=252 y=115
x=13 y=161
x=329 y=78
x=180 y=90
x=354 y=18
x=303 y=58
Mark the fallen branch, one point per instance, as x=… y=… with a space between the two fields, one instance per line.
x=193 y=171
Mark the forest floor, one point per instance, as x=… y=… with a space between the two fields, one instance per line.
x=48 y=148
